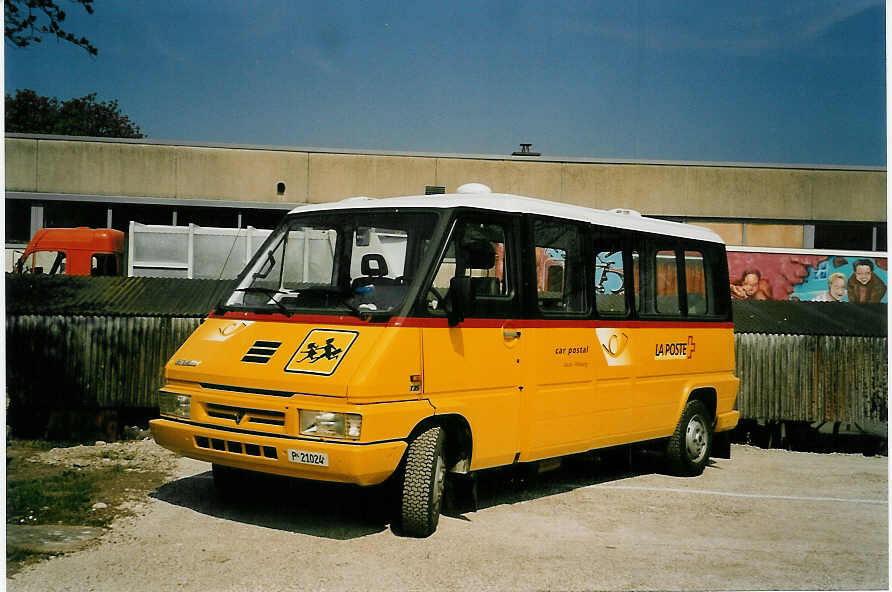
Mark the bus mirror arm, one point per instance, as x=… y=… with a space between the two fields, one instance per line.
x=461 y=300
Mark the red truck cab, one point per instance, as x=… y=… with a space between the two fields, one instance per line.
x=73 y=251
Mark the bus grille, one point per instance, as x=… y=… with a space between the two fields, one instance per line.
x=236 y=447
x=242 y=414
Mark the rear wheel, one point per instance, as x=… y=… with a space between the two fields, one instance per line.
x=423 y=481
x=688 y=448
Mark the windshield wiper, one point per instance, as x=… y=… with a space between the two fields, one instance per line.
x=272 y=296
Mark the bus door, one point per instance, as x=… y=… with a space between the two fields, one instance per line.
x=557 y=415
x=617 y=296
x=475 y=368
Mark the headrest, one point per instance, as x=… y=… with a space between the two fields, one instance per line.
x=479 y=254
x=378 y=269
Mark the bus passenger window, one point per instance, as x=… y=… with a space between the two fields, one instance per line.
x=610 y=285
x=477 y=251
x=695 y=282
x=560 y=276
x=667 y=283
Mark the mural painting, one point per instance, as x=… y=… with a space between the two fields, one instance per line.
x=807 y=277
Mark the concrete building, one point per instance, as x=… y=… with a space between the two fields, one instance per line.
x=55 y=181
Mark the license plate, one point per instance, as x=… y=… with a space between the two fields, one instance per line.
x=317 y=459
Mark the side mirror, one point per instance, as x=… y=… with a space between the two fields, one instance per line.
x=461 y=300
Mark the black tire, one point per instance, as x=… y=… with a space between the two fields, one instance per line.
x=689 y=447
x=423 y=482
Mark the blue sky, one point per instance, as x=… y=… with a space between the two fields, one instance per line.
x=744 y=81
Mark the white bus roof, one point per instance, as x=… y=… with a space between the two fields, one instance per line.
x=503 y=202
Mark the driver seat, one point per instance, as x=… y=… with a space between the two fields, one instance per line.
x=374 y=272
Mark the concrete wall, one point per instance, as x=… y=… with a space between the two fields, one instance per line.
x=733 y=193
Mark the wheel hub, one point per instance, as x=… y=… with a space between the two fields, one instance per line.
x=696 y=439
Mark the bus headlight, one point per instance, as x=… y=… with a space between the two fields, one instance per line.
x=330 y=424
x=174 y=404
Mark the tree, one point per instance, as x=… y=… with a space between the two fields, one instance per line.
x=22 y=28
x=30 y=113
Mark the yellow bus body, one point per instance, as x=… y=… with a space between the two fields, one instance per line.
x=551 y=391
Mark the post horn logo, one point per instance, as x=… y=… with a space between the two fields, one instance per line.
x=616 y=344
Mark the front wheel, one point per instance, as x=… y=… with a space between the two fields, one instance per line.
x=688 y=448
x=424 y=477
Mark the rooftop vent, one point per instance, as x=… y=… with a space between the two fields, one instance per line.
x=625 y=212
x=474 y=188
x=525 y=151
x=434 y=189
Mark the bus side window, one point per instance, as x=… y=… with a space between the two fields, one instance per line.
x=695 y=283
x=617 y=274
x=478 y=250
x=610 y=281
x=666 y=268
x=560 y=274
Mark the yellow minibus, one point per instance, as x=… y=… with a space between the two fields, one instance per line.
x=418 y=337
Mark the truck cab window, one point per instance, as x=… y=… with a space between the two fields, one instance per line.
x=104 y=264
x=48 y=262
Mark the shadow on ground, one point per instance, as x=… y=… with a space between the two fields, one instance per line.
x=319 y=509
x=344 y=512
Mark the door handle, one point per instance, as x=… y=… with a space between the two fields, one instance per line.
x=510 y=334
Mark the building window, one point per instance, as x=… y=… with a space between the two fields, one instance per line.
x=18 y=221
x=863 y=236
x=58 y=214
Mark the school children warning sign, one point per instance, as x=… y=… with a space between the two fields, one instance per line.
x=321 y=351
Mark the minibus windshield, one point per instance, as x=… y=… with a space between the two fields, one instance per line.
x=344 y=261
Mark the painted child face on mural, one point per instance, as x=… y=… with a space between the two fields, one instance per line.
x=837 y=288
x=750 y=284
x=863 y=273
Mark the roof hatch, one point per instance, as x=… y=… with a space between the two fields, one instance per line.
x=473 y=188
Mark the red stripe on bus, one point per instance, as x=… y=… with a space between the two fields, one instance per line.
x=559 y=323
x=439 y=323
x=301 y=319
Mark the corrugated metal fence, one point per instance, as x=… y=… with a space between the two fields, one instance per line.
x=812 y=377
x=90 y=361
x=102 y=343
x=102 y=361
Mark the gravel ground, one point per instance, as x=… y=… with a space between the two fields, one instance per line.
x=766 y=519
x=135 y=454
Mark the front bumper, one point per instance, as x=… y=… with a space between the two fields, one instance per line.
x=362 y=464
